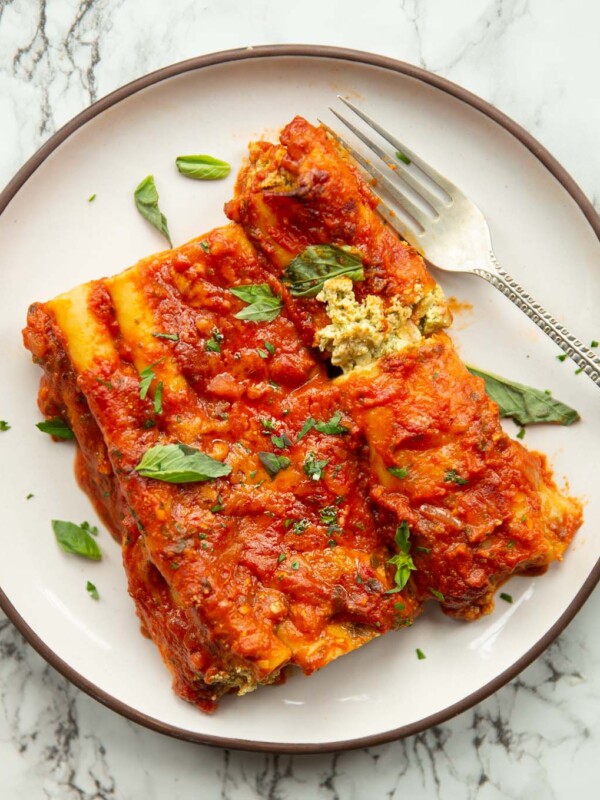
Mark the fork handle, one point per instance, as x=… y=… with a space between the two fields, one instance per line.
x=586 y=359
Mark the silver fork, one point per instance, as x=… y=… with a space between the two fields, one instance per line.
x=450 y=230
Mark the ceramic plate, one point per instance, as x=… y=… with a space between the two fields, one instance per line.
x=52 y=238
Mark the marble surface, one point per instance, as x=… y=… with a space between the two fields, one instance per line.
x=536 y=60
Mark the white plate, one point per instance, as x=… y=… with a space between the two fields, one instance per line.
x=52 y=238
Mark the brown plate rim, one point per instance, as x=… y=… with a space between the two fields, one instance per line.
x=551 y=164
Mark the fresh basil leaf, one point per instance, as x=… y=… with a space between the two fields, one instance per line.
x=146 y=201
x=263 y=305
x=308 y=271
x=273 y=463
x=92 y=591
x=56 y=427
x=178 y=463
x=523 y=403
x=202 y=168
x=76 y=539
x=332 y=427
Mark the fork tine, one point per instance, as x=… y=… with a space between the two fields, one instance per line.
x=450 y=189
x=420 y=219
x=417 y=186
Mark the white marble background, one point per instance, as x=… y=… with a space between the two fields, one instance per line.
x=537 y=60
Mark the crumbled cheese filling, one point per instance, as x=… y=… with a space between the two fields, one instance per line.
x=360 y=333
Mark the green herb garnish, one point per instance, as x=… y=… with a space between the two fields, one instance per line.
x=273 y=463
x=452 y=476
x=158 y=393
x=202 y=168
x=294 y=565
x=29 y=496
x=146 y=200
x=4 y=426
x=147 y=375
x=313 y=468
x=308 y=425
x=173 y=337
x=562 y=357
x=91 y=198
x=332 y=427
x=402 y=157
x=267 y=424
x=506 y=597
x=329 y=515
x=523 y=403
x=308 y=271
x=263 y=305
x=270 y=347
x=76 y=539
x=521 y=434
x=178 y=463
x=300 y=526
x=420 y=654
x=56 y=427
x=92 y=591
x=438 y=595
x=280 y=558
x=281 y=441
x=398 y=472
x=402 y=560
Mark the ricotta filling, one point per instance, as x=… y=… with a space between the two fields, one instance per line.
x=361 y=332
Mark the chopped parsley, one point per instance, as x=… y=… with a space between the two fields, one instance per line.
x=402 y=560
x=420 y=654
x=332 y=427
x=300 y=526
x=158 y=398
x=172 y=337
x=506 y=597
x=29 y=496
x=267 y=424
x=147 y=375
x=313 y=468
x=578 y=371
x=398 y=472
x=273 y=464
x=56 y=427
x=92 y=591
x=562 y=357
x=329 y=515
x=594 y=343
x=213 y=345
x=4 y=426
x=452 y=476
